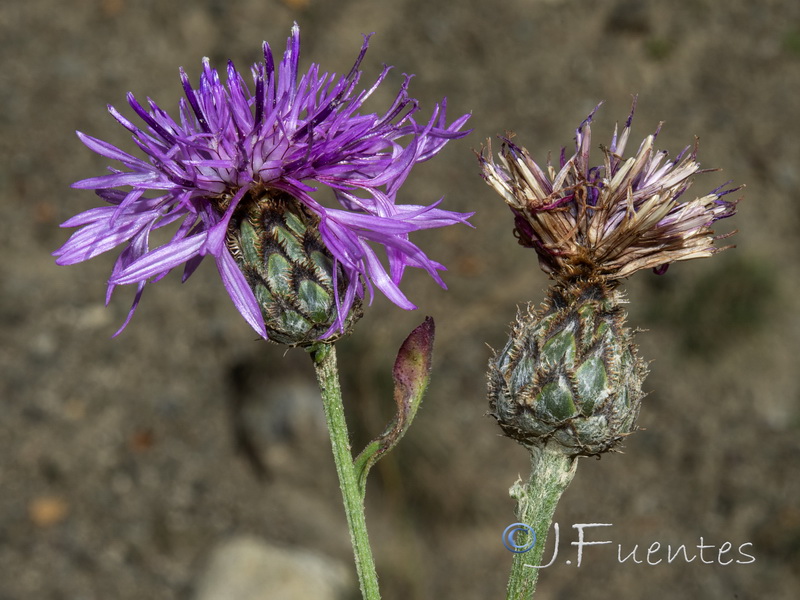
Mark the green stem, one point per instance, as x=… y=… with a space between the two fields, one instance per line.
x=324 y=357
x=551 y=473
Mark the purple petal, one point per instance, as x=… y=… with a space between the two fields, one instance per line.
x=161 y=260
x=240 y=292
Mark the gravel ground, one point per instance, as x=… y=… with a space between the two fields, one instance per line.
x=122 y=471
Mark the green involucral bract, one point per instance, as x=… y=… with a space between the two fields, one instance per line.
x=569 y=377
x=277 y=246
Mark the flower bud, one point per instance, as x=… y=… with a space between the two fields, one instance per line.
x=277 y=245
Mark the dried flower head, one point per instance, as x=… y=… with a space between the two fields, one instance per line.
x=569 y=379
x=233 y=150
x=608 y=221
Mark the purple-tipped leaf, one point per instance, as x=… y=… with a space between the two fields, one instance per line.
x=411 y=374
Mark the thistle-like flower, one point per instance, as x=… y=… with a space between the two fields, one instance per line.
x=242 y=175
x=608 y=221
x=570 y=372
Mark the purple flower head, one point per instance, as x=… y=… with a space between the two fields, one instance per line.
x=610 y=220
x=291 y=136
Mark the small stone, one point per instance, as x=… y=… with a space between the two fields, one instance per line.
x=246 y=568
x=46 y=511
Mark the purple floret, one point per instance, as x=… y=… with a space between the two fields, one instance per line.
x=293 y=133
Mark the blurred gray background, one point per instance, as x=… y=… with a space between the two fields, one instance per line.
x=156 y=464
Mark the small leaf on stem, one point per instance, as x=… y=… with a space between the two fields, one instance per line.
x=411 y=374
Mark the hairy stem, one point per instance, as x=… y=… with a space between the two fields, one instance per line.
x=324 y=357
x=551 y=473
